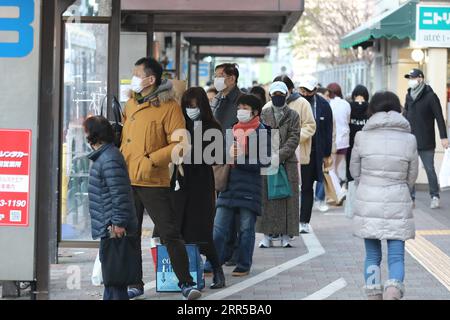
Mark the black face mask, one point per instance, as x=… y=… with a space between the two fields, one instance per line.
x=309 y=98
x=279 y=101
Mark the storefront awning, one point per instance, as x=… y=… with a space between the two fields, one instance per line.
x=399 y=23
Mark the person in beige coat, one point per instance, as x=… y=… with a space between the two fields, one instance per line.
x=384 y=164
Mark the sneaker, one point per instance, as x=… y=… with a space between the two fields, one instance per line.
x=190 y=293
x=266 y=242
x=135 y=293
x=435 y=203
x=341 y=196
x=285 y=242
x=322 y=206
x=275 y=237
x=304 y=228
x=238 y=272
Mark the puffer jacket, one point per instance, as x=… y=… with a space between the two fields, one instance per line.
x=153 y=126
x=384 y=165
x=244 y=188
x=110 y=194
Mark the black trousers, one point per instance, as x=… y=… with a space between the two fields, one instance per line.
x=157 y=202
x=309 y=176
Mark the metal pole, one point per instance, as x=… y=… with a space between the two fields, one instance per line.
x=189 y=73
x=197 y=71
x=178 y=55
x=150 y=34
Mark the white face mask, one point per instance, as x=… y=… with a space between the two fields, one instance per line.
x=244 y=115
x=413 y=83
x=193 y=113
x=136 y=84
x=219 y=84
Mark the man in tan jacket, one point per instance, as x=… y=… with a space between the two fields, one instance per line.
x=307 y=122
x=151 y=117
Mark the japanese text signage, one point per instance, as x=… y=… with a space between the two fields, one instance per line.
x=15 y=148
x=433 y=26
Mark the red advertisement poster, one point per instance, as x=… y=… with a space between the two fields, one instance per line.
x=15 y=167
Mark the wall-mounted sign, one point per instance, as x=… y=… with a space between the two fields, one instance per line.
x=433 y=26
x=15 y=167
x=16 y=17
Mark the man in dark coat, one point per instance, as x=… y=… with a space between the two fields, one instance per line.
x=422 y=108
x=321 y=148
x=224 y=108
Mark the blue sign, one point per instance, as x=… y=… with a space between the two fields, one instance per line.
x=21 y=25
x=204 y=69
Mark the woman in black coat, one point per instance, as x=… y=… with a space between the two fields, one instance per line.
x=195 y=200
x=358 y=119
x=110 y=197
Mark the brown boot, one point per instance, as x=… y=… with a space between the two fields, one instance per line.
x=393 y=290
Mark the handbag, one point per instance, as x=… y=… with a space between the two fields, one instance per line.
x=121 y=261
x=350 y=200
x=117 y=123
x=221 y=174
x=444 y=173
x=166 y=280
x=278 y=186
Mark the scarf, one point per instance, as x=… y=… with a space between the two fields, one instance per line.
x=415 y=92
x=242 y=130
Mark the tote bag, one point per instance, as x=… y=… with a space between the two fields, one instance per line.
x=278 y=186
x=444 y=174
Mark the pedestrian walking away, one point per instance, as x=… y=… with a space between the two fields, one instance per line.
x=384 y=178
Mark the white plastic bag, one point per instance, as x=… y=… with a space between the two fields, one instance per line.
x=97 y=278
x=350 y=200
x=444 y=174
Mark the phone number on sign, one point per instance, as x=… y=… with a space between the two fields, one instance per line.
x=13 y=203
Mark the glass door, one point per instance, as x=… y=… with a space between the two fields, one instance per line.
x=86 y=26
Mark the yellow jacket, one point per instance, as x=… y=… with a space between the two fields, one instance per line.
x=147 y=140
x=307 y=126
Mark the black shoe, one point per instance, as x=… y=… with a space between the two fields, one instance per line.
x=218 y=279
x=230 y=264
x=239 y=272
x=189 y=292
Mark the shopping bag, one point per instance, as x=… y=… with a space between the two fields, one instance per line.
x=444 y=174
x=350 y=200
x=154 y=242
x=121 y=260
x=221 y=174
x=167 y=281
x=278 y=186
x=96 y=278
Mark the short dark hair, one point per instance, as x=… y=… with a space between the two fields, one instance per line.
x=287 y=81
x=322 y=90
x=384 y=101
x=230 y=69
x=98 y=130
x=335 y=90
x=362 y=91
x=260 y=93
x=251 y=100
x=151 y=68
x=212 y=89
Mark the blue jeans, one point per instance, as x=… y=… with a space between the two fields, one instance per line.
x=396 y=261
x=427 y=157
x=115 y=293
x=223 y=224
x=320 y=191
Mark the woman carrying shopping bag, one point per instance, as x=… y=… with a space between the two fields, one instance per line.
x=384 y=165
x=281 y=216
x=113 y=217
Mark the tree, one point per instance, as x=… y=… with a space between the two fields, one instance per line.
x=322 y=26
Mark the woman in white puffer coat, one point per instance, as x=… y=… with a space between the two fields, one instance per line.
x=384 y=164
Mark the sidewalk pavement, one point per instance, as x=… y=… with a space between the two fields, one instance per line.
x=327 y=264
